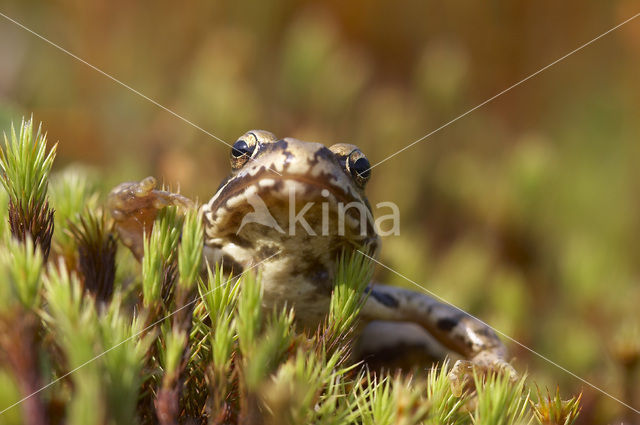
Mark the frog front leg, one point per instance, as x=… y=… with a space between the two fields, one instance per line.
x=134 y=207
x=453 y=328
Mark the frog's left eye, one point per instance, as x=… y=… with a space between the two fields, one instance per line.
x=241 y=151
x=359 y=167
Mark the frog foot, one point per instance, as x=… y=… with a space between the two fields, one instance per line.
x=461 y=374
x=134 y=207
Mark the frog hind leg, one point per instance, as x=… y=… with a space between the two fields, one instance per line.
x=454 y=329
x=385 y=345
x=134 y=207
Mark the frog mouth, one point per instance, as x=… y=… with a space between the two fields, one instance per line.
x=268 y=201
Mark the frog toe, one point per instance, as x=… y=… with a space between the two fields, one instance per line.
x=461 y=377
x=461 y=374
x=145 y=187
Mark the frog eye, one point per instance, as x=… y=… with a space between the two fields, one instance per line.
x=242 y=150
x=359 y=167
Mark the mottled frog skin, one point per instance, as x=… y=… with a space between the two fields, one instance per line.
x=298 y=259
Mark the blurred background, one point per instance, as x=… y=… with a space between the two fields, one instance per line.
x=524 y=213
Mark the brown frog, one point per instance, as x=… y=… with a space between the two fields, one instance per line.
x=249 y=221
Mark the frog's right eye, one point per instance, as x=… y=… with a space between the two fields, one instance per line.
x=241 y=151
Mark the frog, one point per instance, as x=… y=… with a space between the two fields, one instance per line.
x=248 y=223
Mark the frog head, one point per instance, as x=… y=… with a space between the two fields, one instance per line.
x=294 y=205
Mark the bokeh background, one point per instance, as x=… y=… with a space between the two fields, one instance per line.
x=525 y=213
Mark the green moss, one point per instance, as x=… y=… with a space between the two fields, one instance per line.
x=176 y=344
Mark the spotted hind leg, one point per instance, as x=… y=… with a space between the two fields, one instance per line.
x=454 y=329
